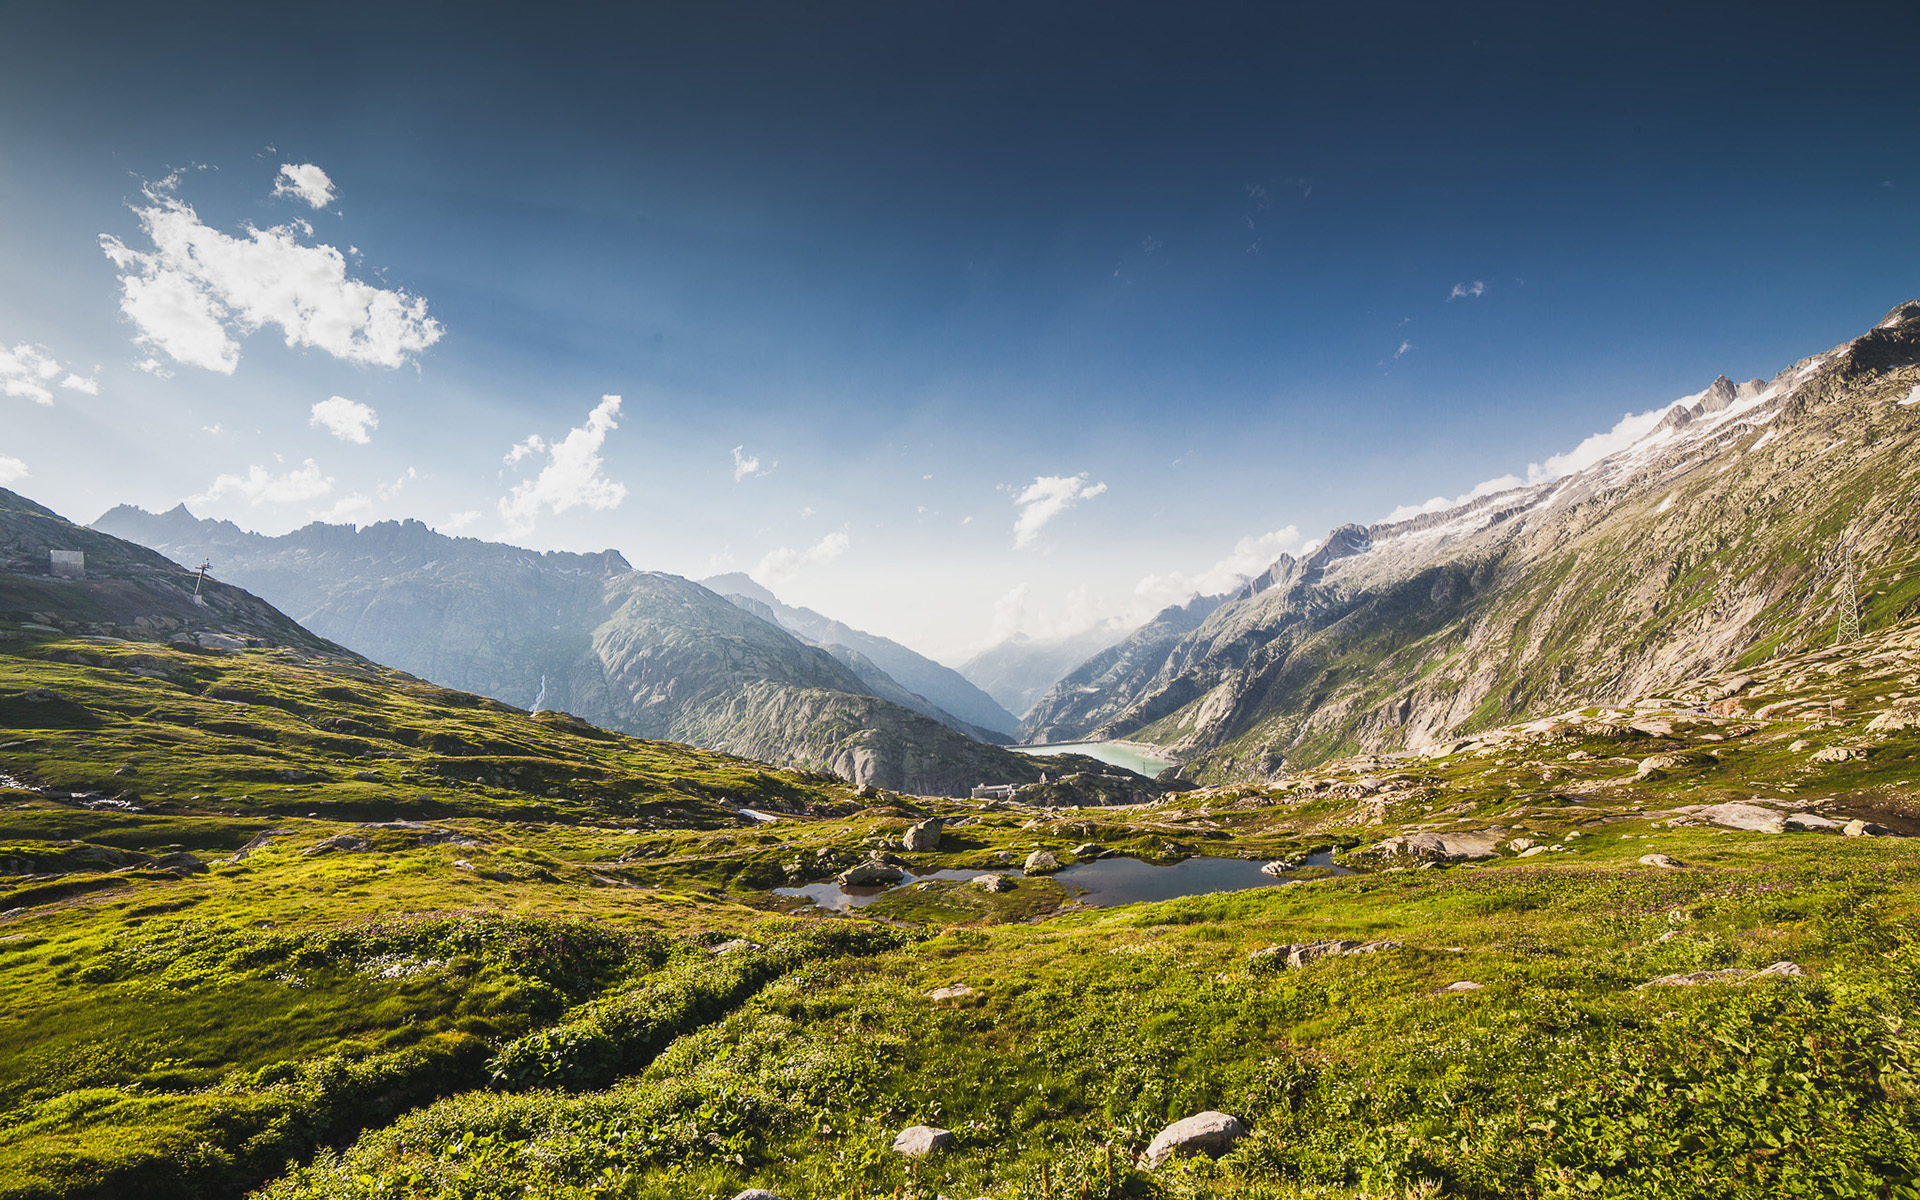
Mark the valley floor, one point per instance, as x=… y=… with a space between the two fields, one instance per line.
x=316 y=930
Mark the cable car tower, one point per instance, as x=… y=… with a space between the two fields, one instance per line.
x=1847 y=628
x=205 y=563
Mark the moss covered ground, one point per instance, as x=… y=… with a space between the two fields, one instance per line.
x=309 y=928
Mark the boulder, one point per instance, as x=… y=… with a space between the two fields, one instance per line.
x=992 y=883
x=1802 y=822
x=1859 y=828
x=1464 y=985
x=181 y=861
x=1278 y=867
x=1041 y=862
x=340 y=841
x=1089 y=850
x=1530 y=851
x=1519 y=844
x=1735 y=815
x=922 y=837
x=953 y=991
x=1441 y=846
x=1658 y=860
x=871 y=874
x=1833 y=754
x=918 y=1141
x=1208 y=1133
x=1894 y=721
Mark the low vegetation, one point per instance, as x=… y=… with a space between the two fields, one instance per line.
x=304 y=927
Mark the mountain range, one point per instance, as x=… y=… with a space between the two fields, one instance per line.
x=1743 y=524
x=641 y=652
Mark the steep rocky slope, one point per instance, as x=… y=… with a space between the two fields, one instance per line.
x=637 y=651
x=953 y=698
x=1718 y=539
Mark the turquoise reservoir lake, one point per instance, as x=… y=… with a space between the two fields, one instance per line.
x=1118 y=754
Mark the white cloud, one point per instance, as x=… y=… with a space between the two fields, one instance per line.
x=456 y=522
x=306 y=181
x=571 y=476
x=388 y=491
x=785 y=562
x=1249 y=557
x=1630 y=428
x=199 y=288
x=744 y=464
x=348 y=420
x=260 y=486
x=1463 y=290
x=212 y=429
x=1404 y=347
x=29 y=372
x=12 y=470
x=347 y=510
x=1046 y=498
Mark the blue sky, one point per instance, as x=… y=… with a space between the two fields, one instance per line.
x=1020 y=316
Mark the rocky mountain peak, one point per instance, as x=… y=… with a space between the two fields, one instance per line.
x=1719 y=396
x=1901 y=314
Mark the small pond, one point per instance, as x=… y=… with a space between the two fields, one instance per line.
x=1098 y=884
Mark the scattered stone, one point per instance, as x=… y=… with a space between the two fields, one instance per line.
x=953 y=991
x=1751 y=817
x=924 y=836
x=1859 y=828
x=1464 y=985
x=1802 y=822
x=1208 y=1133
x=735 y=946
x=1894 y=721
x=1297 y=955
x=1519 y=844
x=1278 y=867
x=1040 y=862
x=256 y=842
x=870 y=874
x=1002 y=856
x=182 y=862
x=1440 y=846
x=1779 y=970
x=1834 y=754
x=1089 y=850
x=351 y=842
x=918 y=1141
x=1530 y=851
x=1578 y=756
x=1798 y=744
x=992 y=883
x=1658 y=860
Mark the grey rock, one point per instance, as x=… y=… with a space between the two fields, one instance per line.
x=182 y=862
x=1658 y=860
x=1695 y=978
x=1744 y=816
x=1833 y=754
x=1040 y=862
x=1208 y=1133
x=922 y=837
x=1801 y=822
x=1860 y=828
x=1440 y=846
x=992 y=883
x=1780 y=970
x=953 y=991
x=1278 y=867
x=1088 y=850
x=871 y=874
x=351 y=842
x=918 y=1141
x=1463 y=985
x=757 y=1194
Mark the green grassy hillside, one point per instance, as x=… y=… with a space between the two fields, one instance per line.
x=290 y=921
